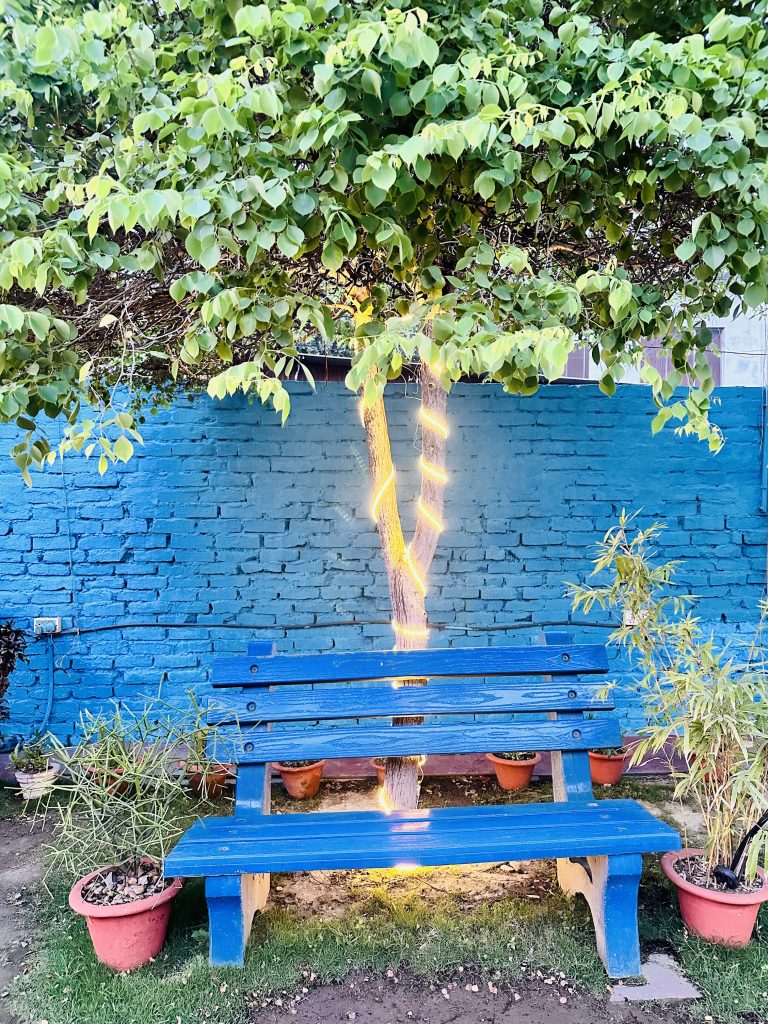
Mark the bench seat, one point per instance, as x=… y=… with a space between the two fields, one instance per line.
x=446 y=835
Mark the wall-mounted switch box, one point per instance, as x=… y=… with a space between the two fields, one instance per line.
x=49 y=625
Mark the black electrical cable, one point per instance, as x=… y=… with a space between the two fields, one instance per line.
x=292 y=627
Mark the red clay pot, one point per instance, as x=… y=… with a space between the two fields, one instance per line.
x=128 y=935
x=726 y=918
x=111 y=780
x=302 y=783
x=380 y=769
x=210 y=782
x=606 y=769
x=513 y=774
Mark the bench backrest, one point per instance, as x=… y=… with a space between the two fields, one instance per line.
x=362 y=692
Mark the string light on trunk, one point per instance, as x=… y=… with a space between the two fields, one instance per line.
x=381 y=492
x=432 y=471
x=433 y=422
x=414 y=572
x=430 y=516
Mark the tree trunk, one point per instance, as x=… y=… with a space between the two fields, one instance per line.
x=407 y=567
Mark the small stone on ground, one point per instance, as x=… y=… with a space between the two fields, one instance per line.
x=663 y=981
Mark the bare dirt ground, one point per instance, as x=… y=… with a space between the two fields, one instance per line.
x=463 y=999
x=19 y=871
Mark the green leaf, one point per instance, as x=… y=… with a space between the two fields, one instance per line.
x=332 y=257
x=713 y=256
x=371 y=82
x=253 y=20
x=686 y=249
x=122 y=448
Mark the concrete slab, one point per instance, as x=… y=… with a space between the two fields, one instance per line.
x=664 y=981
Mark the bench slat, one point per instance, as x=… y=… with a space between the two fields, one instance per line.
x=472 y=737
x=436 y=698
x=520 y=833
x=327 y=824
x=446 y=662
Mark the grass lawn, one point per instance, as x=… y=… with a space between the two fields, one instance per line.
x=382 y=920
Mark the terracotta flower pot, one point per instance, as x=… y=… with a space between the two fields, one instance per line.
x=302 y=783
x=210 y=781
x=380 y=769
x=111 y=780
x=513 y=774
x=606 y=769
x=129 y=934
x=34 y=785
x=726 y=918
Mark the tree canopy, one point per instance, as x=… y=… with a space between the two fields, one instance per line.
x=190 y=188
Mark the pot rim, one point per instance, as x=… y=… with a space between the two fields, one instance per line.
x=80 y=906
x=742 y=899
x=532 y=761
x=215 y=768
x=608 y=757
x=27 y=776
x=291 y=771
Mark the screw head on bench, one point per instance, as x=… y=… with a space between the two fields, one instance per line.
x=566 y=657
x=576 y=734
x=571 y=694
x=248 y=747
x=254 y=669
x=251 y=705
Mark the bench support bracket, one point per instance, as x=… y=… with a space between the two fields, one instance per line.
x=610 y=885
x=232 y=902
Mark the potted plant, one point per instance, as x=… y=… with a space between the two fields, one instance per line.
x=113 y=755
x=116 y=836
x=207 y=778
x=707 y=707
x=13 y=645
x=32 y=766
x=606 y=766
x=514 y=769
x=379 y=765
x=301 y=778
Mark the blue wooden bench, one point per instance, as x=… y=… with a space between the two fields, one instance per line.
x=597 y=843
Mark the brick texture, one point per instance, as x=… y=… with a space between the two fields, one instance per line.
x=224 y=516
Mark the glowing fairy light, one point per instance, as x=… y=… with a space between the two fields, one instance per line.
x=430 y=516
x=432 y=471
x=414 y=572
x=413 y=631
x=383 y=801
x=433 y=422
x=381 y=492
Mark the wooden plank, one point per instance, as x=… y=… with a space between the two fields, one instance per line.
x=327 y=824
x=261 y=648
x=571 y=778
x=395 y=741
x=432 y=841
x=444 y=662
x=381 y=699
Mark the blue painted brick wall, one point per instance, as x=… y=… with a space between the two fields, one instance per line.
x=225 y=516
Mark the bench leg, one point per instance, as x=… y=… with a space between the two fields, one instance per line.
x=232 y=902
x=610 y=886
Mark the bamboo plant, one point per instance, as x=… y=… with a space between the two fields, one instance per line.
x=124 y=787
x=705 y=701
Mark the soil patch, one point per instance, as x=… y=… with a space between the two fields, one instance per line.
x=465 y=998
x=20 y=870
x=694 y=870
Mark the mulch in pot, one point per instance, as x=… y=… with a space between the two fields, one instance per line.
x=126 y=884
